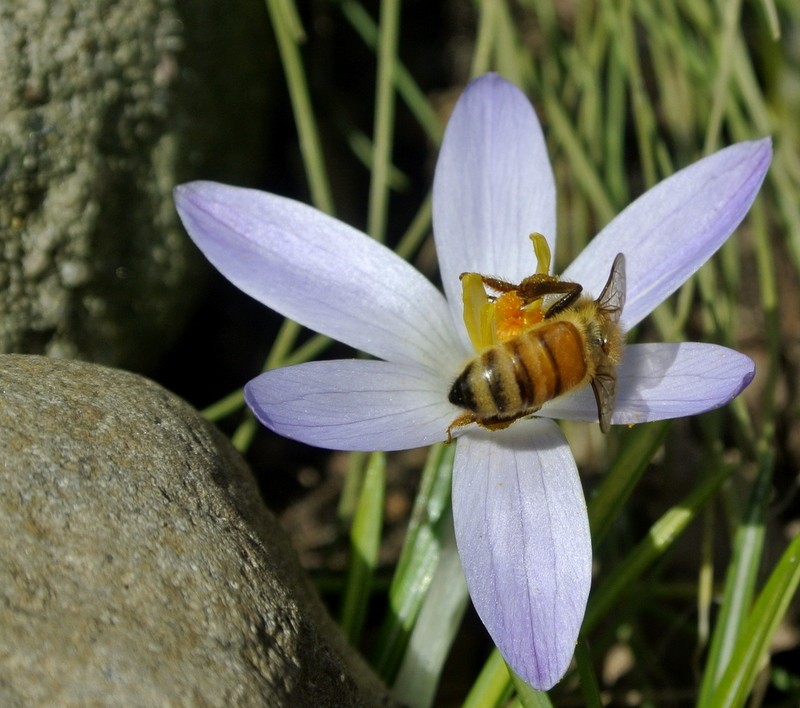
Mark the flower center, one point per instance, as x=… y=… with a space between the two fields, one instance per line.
x=492 y=319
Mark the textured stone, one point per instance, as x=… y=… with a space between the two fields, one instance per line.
x=138 y=565
x=104 y=106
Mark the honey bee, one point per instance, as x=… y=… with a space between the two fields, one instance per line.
x=578 y=341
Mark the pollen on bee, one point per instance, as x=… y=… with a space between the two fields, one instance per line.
x=512 y=316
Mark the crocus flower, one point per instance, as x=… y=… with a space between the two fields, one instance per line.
x=519 y=512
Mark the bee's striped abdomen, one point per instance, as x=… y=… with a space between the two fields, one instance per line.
x=523 y=373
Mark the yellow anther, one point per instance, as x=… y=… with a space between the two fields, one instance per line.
x=493 y=319
x=542 y=250
x=478 y=311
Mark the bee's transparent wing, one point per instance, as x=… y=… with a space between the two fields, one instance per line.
x=604 y=385
x=612 y=299
x=610 y=304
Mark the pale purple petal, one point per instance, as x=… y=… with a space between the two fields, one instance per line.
x=659 y=381
x=675 y=227
x=523 y=537
x=493 y=186
x=354 y=404
x=319 y=272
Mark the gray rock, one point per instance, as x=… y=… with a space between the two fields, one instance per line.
x=105 y=105
x=138 y=565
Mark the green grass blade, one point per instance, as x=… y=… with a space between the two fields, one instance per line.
x=772 y=18
x=753 y=643
x=224 y=406
x=284 y=341
x=365 y=538
x=642 y=109
x=497 y=682
x=436 y=627
x=583 y=171
x=529 y=697
x=731 y=13
x=287 y=36
x=352 y=487
x=739 y=584
x=661 y=536
x=418 y=561
x=493 y=685
x=243 y=436
x=510 y=58
x=362 y=148
x=417 y=230
x=589 y=685
x=638 y=449
x=377 y=215
x=487 y=28
x=408 y=89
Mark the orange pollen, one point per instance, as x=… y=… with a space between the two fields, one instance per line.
x=512 y=317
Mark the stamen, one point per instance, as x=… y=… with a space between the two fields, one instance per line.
x=491 y=320
x=542 y=250
x=478 y=311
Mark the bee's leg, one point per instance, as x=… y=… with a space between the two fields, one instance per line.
x=537 y=286
x=564 y=302
x=460 y=422
x=497 y=423
x=486 y=423
x=499 y=286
